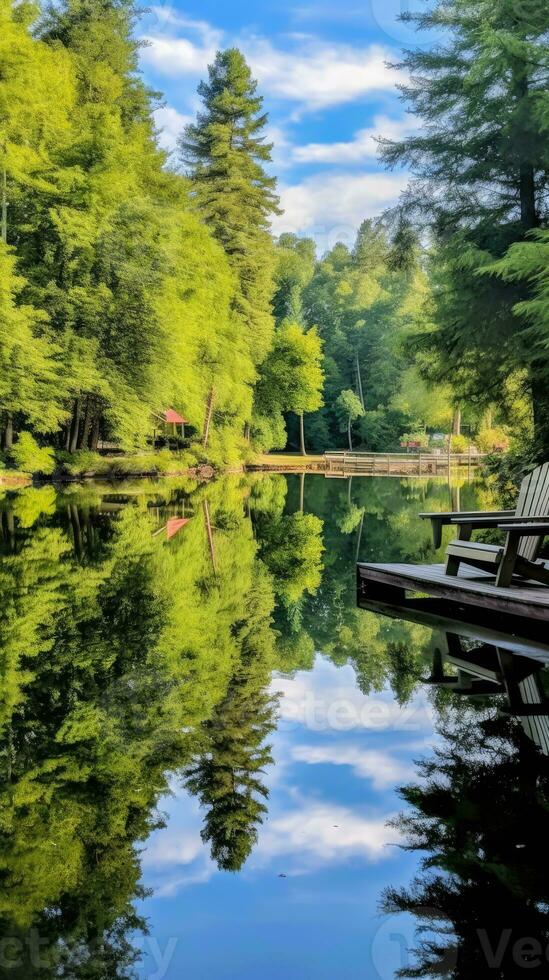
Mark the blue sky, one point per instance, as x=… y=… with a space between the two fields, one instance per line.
x=322 y=70
x=339 y=754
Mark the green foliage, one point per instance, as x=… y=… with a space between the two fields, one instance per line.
x=481 y=165
x=365 y=302
x=459 y=443
x=225 y=154
x=348 y=407
x=32 y=458
x=492 y=440
x=291 y=378
x=117 y=301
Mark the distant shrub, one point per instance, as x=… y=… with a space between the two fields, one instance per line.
x=32 y=458
x=460 y=444
x=492 y=441
x=80 y=462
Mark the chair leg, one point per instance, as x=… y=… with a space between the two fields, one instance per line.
x=508 y=562
x=452 y=565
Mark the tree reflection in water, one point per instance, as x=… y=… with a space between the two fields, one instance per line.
x=139 y=631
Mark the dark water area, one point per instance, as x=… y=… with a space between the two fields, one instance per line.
x=214 y=765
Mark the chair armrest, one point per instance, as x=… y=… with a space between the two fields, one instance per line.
x=526 y=529
x=485 y=521
x=449 y=516
x=438 y=520
x=488 y=521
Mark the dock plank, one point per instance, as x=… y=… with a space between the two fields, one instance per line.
x=470 y=587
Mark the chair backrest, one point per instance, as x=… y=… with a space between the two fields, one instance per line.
x=533 y=501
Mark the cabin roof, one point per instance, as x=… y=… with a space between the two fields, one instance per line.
x=172 y=416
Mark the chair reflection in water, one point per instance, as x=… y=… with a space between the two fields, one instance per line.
x=493 y=670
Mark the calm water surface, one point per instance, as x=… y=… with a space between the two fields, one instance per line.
x=211 y=758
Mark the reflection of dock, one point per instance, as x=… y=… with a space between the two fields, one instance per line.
x=471 y=588
x=484 y=660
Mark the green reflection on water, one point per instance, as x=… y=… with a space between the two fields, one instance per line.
x=139 y=630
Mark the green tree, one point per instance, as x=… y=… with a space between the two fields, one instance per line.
x=29 y=362
x=225 y=155
x=292 y=376
x=480 y=167
x=349 y=409
x=294 y=269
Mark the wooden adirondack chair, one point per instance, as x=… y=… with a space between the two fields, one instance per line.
x=525 y=529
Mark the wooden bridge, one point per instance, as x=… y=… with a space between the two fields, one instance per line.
x=342 y=464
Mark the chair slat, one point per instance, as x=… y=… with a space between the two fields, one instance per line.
x=533 y=500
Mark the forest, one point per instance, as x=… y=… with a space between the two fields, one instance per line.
x=131 y=282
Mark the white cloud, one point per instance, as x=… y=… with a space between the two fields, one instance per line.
x=176 y=45
x=175 y=856
x=319 y=833
x=170 y=122
x=362 y=147
x=380 y=767
x=328 y=699
x=281 y=154
x=318 y=75
x=312 y=74
x=176 y=56
x=331 y=206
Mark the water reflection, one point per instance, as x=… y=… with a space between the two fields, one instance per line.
x=479 y=812
x=140 y=631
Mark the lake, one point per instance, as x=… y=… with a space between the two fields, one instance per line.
x=215 y=766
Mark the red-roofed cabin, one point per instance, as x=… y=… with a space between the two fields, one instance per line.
x=171 y=418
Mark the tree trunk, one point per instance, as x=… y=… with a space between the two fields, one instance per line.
x=8 y=431
x=456 y=422
x=528 y=211
x=359 y=381
x=349 y=433
x=84 y=436
x=247 y=431
x=209 y=534
x=527 y=183
x=76 y=530
x=302 y=448
x=95 y=433
x=540 y=406
x=75 y=425
x=4 y=209
x=301 y=492
x=209 y=410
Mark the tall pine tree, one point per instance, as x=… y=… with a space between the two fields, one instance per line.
x=225 y=154
x=480 y=165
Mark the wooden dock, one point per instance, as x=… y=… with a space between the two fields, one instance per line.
x=471 y=588
x=343 y=464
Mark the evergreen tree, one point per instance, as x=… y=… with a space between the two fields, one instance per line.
x=225 y=154
x=481 y=163
x=29 y=365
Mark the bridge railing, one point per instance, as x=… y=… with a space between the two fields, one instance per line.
x=345 y=462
